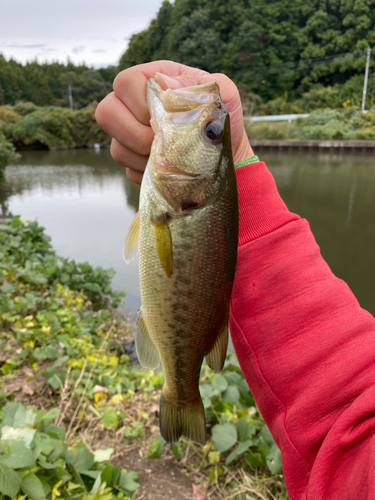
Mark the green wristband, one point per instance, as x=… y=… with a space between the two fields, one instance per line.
x=247 y=161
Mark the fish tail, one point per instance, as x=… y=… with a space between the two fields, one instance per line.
x=176 y=422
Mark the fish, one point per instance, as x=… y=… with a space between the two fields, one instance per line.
x=187 y=234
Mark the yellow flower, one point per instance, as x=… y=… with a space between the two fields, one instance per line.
x=98 y=396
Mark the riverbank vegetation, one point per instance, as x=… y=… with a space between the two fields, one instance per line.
x=7 y=153
x=326 y=124
x=74 y=410
x=29 y=126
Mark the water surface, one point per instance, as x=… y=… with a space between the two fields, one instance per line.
x=86 y=204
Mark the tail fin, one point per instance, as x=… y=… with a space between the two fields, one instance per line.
x=176 y=422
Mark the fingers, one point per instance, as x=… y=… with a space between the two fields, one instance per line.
x=127 y=157
x=134 y=176
x=118 y=121
x=130 y=85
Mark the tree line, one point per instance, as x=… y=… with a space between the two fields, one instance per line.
x=274 y=47
x=47 y=84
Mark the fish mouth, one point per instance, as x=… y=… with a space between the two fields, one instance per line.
x=167 y=169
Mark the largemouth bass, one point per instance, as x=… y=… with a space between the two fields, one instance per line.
x=187 y=227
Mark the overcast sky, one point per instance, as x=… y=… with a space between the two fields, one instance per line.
x=92 y=31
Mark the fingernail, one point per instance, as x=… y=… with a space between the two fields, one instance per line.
x=169 y=82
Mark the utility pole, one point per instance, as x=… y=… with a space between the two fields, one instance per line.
x=70 y=97
x=366 y=80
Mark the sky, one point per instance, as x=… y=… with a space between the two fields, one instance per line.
x=95 y=32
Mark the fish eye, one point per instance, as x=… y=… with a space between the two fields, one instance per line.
x=213 y=130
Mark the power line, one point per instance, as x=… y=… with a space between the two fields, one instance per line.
x=300 y=62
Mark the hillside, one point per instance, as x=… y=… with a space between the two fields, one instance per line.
x=273 y=47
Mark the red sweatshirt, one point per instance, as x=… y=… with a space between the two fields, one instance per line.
x=306 y=348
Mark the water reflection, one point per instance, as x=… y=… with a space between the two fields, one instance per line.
x=336 y=194
x=86 y=203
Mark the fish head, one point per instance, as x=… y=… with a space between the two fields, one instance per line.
x=192 y=146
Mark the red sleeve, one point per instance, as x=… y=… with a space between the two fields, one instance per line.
x=306 y=348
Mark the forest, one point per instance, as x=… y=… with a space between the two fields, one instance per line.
x=47 y=84
x=276 y=47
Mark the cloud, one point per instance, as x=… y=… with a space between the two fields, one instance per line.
x=78 y=48
x=97 y=51
x=26 y=45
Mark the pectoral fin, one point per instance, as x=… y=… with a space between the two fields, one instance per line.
x=146 y=351
x=131 y=239
x=164 y=243
x=216 y=357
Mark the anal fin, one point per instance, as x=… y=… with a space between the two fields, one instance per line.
x=146 y=351
x=216 y=357
x=131 y=239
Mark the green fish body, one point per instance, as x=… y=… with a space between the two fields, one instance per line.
x=188 y=229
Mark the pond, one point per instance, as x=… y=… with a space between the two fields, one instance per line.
x=86 y=203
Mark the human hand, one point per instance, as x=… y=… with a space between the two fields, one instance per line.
x=124 y=114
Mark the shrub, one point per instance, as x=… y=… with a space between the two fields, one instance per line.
x=7 y=153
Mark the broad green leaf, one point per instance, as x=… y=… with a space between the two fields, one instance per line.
x=224 y=436
x=103 y=454
x=51 y=415
x=8 y=287
x=10 y=481
x=267 y=436
x=40 y=353
x=81 y=458
x=206 y=390
x=19 y=456
x=10 y=433
x=77 y=479
x=55 y=431
x=233 y=378
x=129 y=481
x=274 y=459
x=12 y=413
x=176 y=449
x=107 y=475
x=219 y=382
x=91 y=473
x=156 y=447
x=231 y=395
x=245 y=430
x=32 y=487
x=96 y=485
x=109 y=418
x=43 y=443
x=207 y=403
x=59 y=463
x=238 y=450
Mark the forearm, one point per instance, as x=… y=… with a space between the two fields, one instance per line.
x=304 y=344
